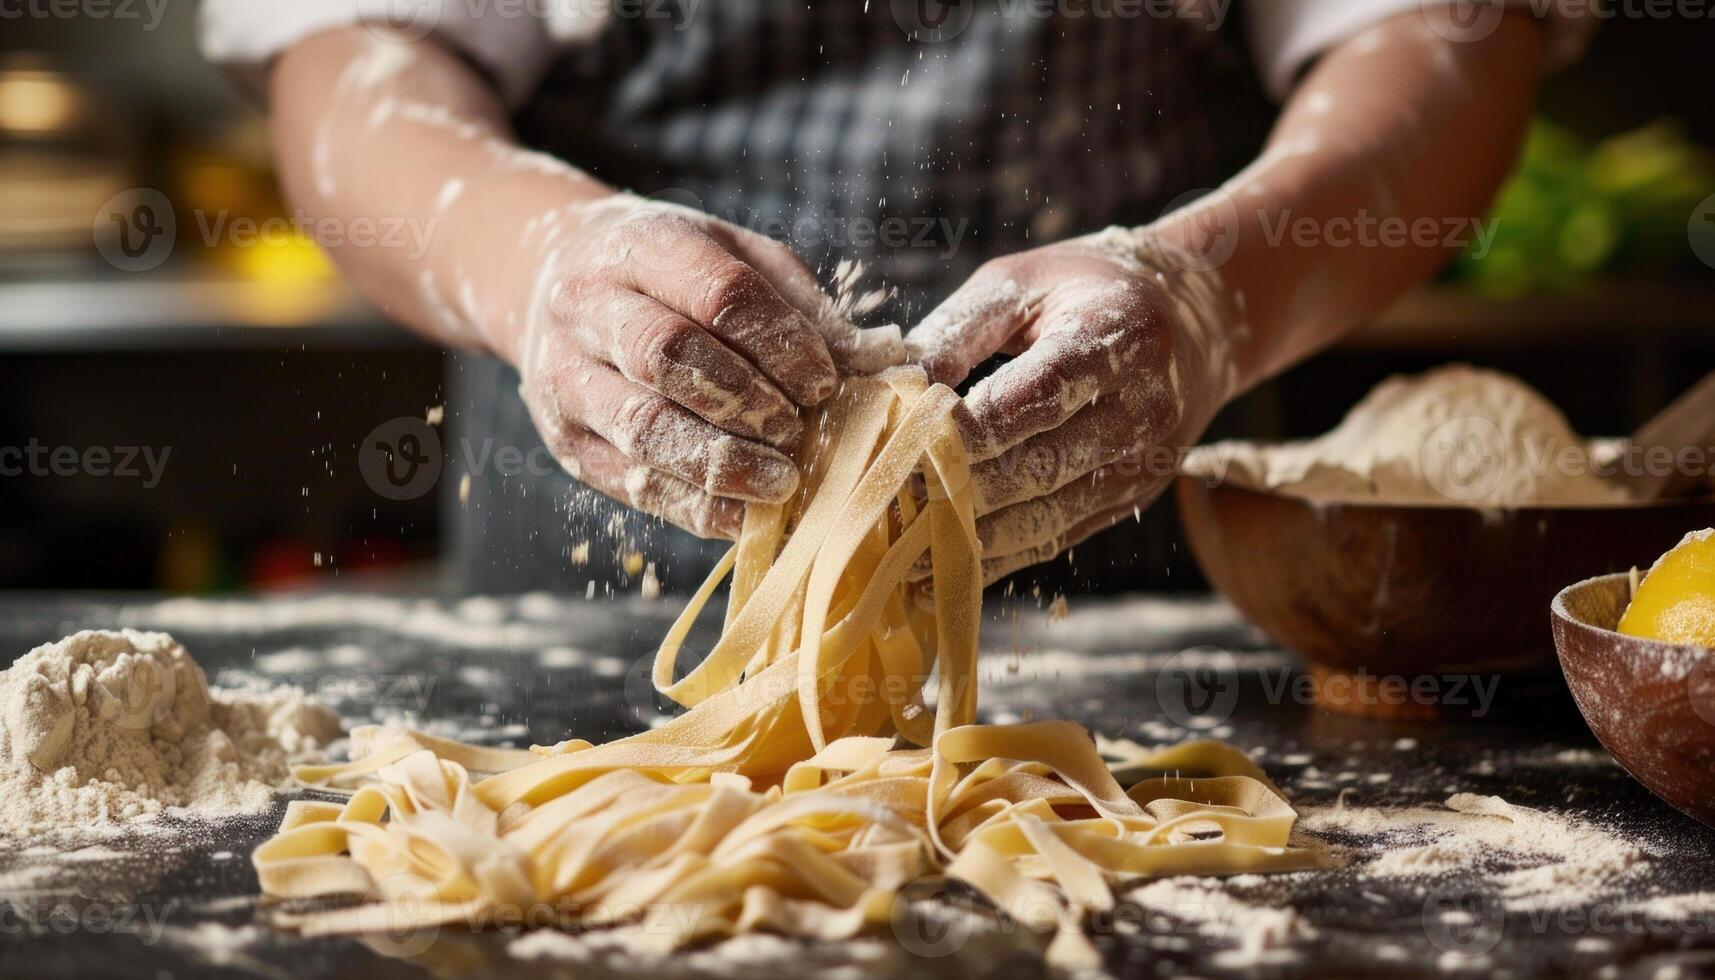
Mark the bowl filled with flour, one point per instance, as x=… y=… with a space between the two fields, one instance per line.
x=1425 y=535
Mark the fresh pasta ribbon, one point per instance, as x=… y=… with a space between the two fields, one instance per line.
x=808 y=781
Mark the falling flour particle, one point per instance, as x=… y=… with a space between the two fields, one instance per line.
x=107 y=727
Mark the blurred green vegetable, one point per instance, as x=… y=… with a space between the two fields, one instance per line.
x=1572 y=212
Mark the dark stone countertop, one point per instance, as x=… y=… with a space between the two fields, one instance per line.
x=182 y=902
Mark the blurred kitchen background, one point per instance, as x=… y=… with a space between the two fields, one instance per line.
x=261 y=375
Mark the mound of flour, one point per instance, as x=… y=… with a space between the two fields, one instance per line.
x=105 y=727
x=1455 y=436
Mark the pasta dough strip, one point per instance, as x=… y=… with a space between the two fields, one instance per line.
x=807 y=781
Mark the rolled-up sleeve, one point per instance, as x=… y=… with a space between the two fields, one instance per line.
x=1286 y=35
x=513 y=42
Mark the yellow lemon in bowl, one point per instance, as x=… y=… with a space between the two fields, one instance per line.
x=1676 y=600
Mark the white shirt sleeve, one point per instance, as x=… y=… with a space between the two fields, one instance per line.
x=513 y=43
x=1286 y=35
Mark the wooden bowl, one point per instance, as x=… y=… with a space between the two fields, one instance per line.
x=1376 y=591
x=1651 y=704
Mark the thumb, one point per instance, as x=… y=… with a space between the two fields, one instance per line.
x=854 y=350
x=973 y=325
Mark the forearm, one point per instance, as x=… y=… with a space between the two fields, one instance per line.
x=1381 y=167
x=372 y=130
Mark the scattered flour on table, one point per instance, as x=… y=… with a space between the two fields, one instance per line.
x=1254 y=929
x=1534 y=858
x=105 y=727
x=750 y=954
x=529 y=622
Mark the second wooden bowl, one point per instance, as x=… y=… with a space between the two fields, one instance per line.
x=1651 y=704
x=1365 y=590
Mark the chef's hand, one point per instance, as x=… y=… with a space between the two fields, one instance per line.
x=1122 y=357
x=665 y=355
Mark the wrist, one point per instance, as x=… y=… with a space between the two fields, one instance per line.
x=1212 y=336
x=502 y=242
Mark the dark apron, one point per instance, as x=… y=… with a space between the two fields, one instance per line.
x=826 y=126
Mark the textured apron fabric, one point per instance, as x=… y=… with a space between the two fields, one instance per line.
x=824 y=124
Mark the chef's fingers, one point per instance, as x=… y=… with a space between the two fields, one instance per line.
x=980 y=319
x=1051 y=521
x=656 y=432
x=657 y=348
x=597 y=464
x=1000 y=566
x=854 y=350
x=1125 y=430
x=1092 y=338
x=680 y=264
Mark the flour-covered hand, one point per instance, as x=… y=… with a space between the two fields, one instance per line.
x=1123 y=354
x=665 y=356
